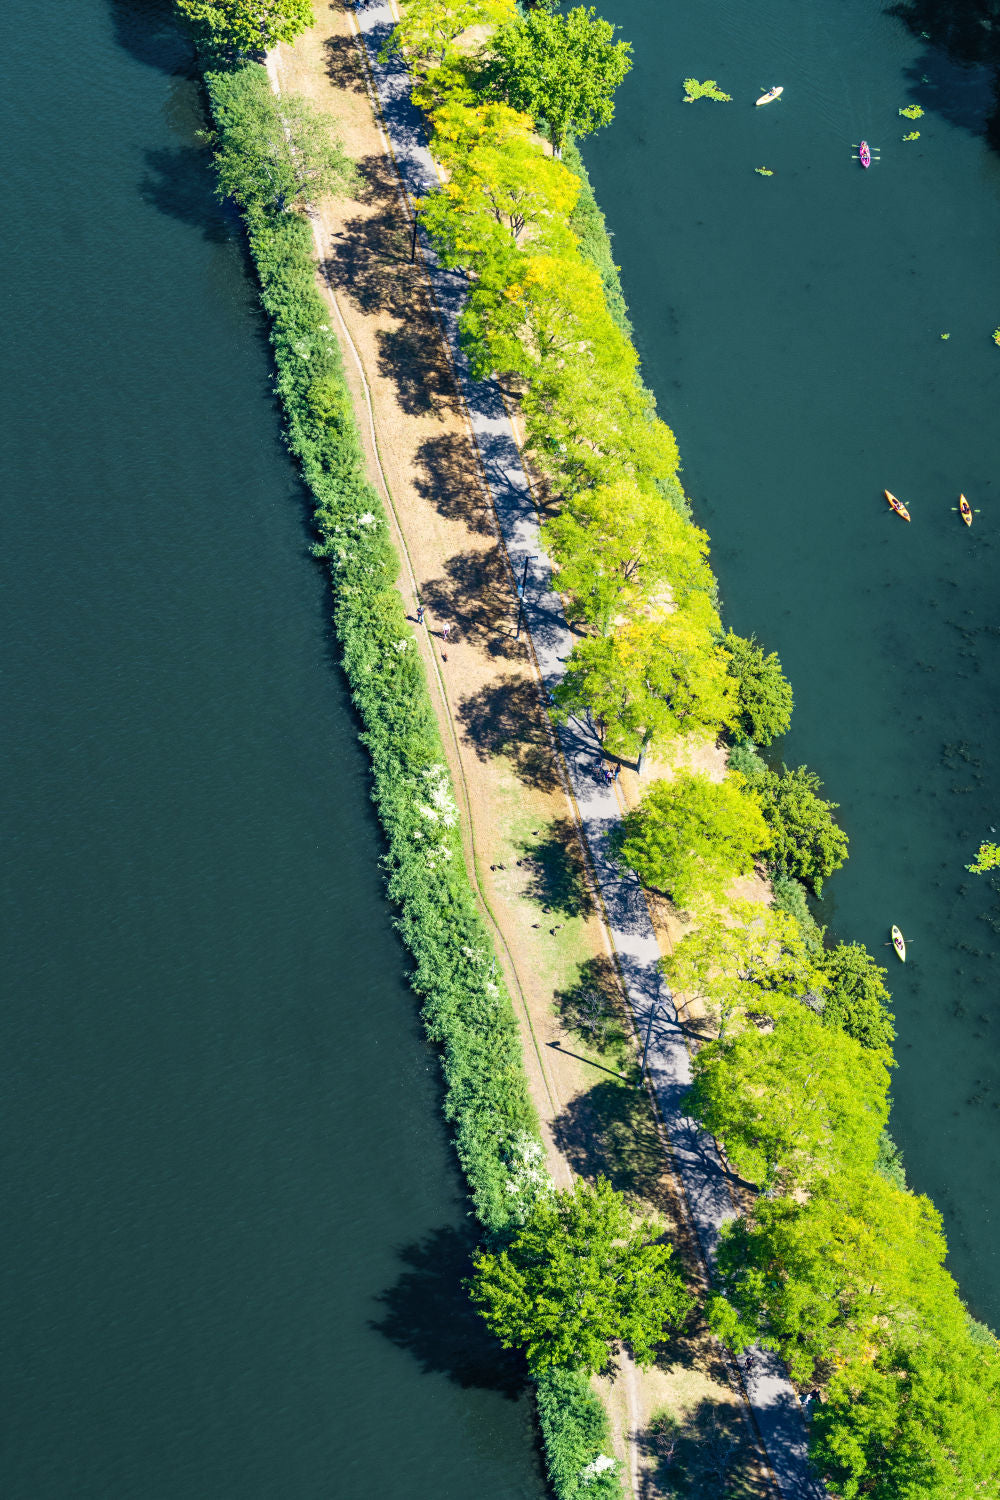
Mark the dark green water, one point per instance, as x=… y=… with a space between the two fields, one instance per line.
x=790 y=327
x=233 y=1229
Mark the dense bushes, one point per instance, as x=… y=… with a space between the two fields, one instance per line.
x=465 y=1006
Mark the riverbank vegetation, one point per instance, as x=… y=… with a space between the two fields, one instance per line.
x=838 y=1265
x=466 y=1008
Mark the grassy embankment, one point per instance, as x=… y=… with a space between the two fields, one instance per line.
x=465 y=1005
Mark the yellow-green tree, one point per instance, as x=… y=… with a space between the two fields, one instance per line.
x=619 y=546
x=590 y=421
x=792 y=1103
x=824 y=1278
x=429 y=29
x=746 y=961
x=500 y=191
x=692 y=836
x=650 y=681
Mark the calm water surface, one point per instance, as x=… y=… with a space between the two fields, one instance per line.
x=233 y=1229
x=791 y=328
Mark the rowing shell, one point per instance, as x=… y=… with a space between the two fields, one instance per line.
x=897 y=505
x=899 y=943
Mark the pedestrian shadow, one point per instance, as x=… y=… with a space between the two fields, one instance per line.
x=428 y=1313
x=556 y=875
x=505 y=718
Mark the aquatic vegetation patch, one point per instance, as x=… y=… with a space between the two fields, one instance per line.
x=708 y=90
x=912 y=112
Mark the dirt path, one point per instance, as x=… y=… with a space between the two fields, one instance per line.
x=520 y=821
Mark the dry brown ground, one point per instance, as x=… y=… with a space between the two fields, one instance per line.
x=519 y=822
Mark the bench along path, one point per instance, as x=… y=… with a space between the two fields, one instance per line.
x=775 y=1405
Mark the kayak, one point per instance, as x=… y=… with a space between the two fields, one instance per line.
x=865 y=154
x=965 y=510
x=899 y=943
x=897 y=505
x=775 y=93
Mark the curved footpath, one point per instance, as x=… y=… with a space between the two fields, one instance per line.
x=696 y=1160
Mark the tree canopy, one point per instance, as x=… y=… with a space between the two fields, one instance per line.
x=499 y=191
x=650 y=681
x=765 y=695
x=561 y=69
x=791 y=1103
x=857 y=1000
x=748 y=961
x=270 y=151
x=805 y=841
x=581 y=1275
x=619 y=546
x=248 y=26
x=692 y=836
x=429 y=29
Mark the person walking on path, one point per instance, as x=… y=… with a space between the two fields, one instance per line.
x=445 y=632
x=420 y=614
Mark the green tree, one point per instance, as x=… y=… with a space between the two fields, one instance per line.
x=792 y=1103
x=692 y=836
x=919 y=1422
x=273 y=152
x=765 y=695
x=563 y=69
x=826 y=1279
x=619 y=546
x=650 y=681
x=247 y=25
x=581 y=1275
x=806 y=842
x=857 y=1000
x=749 y=961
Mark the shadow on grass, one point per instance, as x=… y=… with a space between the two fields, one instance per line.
x=593 y=1008
x=475 y=595
x=343 y=65
x=428 y=1313
x=610 y=1130
x=553 y=862
x=448 y=476
x=707 y=1455
x=505 y=718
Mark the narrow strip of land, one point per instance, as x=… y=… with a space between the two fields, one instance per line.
x=773 y=1400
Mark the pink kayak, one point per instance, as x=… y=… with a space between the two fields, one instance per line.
x=864 y=154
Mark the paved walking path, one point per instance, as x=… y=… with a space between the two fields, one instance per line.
x=775 y=1404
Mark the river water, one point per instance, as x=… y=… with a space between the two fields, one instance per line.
x=791 y=327
x=234 y=1232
